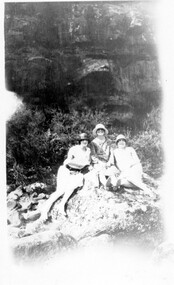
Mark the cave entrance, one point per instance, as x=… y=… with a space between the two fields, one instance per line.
x=95 y=89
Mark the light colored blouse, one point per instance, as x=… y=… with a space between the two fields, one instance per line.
x=125 y=158
x=78 y=155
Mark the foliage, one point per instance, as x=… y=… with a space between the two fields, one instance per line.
x=36 y=145
x=27 y=146
x=147 y=142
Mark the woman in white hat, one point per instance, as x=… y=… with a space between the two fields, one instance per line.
x=70 y=176
x=129 y=166
x=102 y=155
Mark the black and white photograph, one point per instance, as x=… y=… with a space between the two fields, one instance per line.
x=88 y=197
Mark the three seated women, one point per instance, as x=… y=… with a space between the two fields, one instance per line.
x=108 y=167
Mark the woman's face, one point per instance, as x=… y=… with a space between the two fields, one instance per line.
x=84 y=142
x=121 y=143
x=100 y=132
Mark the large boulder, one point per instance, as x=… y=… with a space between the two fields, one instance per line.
x=94 y=216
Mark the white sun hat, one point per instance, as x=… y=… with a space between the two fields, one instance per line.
x=97 y=127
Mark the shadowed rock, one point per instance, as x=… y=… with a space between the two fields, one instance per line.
x=94 y=216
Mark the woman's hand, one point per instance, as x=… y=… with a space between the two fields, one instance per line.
x=108 y=164
x=90 y=167
x=95 y=159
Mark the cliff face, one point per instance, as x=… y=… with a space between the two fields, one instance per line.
x=97 y=55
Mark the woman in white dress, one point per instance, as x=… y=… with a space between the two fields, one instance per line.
x=70 y=176
x=128 y=165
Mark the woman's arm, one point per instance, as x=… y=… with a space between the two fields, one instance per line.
x=70 y=156
x=111 y=157
x=135 y=157
x=115 y=160
x=94 y=156
x=93 y=149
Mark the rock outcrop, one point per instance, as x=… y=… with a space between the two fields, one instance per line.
x=94 y=216
x=99 y=55
x=78 y=56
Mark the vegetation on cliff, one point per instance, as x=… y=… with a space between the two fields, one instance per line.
x=74 y=65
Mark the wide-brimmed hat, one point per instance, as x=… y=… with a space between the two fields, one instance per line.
x=83 y=136
x=97 y=127
x=120 y=137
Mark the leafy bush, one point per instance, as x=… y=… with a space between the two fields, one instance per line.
x=36 y=146
x=149 y=149
x=148 y=145
x=147 y=142
x=27 y=145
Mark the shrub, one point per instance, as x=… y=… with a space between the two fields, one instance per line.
x=27 y=145
x=36 y=146
x=149 y=149
x=148 y=144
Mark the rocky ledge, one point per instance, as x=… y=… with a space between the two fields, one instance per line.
x=95 y=216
